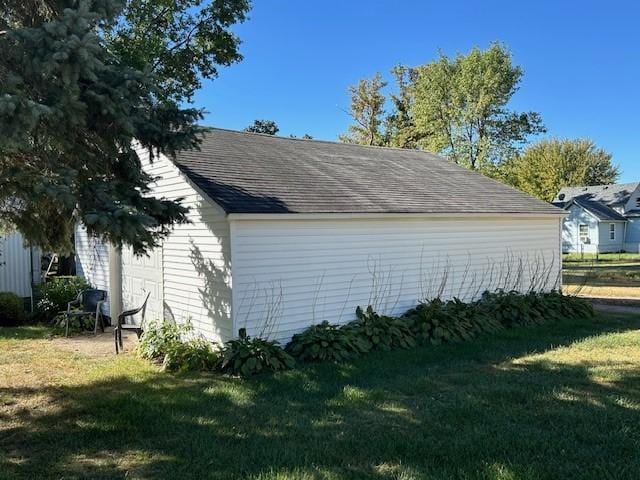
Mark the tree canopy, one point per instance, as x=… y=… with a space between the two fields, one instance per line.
x=549 y=165
x=268 y=127
x=72 y=104
x=460 y=107
x=457 y=107
x=181 y=41
x=367 y=111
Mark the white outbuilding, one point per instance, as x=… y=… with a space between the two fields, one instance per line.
x=286 y=233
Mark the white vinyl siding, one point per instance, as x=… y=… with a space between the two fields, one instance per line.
x=16 y=263
x=294 y=273
x=92 y=260
x=196 y=257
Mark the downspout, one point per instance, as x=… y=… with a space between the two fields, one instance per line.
x=115 y=283
x=31 y=275
x=624 y=235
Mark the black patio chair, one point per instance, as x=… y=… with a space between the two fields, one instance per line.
x=136 y=327
x=89 y=303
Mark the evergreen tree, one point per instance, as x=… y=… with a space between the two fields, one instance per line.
x=74 y=116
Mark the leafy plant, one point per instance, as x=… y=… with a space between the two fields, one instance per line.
x=11 y=309
x=160 y=337
x=195 y=354
x=327 y=342
x=52 y=297
x=247 y=356
x=513 y=308
x=380 y=331
x=436 y=321
x=165 y=342
x=77 y=323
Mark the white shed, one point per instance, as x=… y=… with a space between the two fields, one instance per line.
x=286 y=233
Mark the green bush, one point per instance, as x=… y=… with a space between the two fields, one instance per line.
x=77 y=323
x=11 y=309
x=165 y=342
x=159 y=337
x=192 y=355
x=515 y=309
x=381 y=332
x=247 y=356
x=52 y=297
x=327 y=342
x=436 y=321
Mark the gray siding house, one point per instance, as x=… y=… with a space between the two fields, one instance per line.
x=601 y=218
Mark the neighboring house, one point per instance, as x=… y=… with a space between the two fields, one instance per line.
x=602 y=218
x=286 y=233
x=20 y=267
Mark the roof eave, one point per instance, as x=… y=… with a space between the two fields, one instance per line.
x=385 y=215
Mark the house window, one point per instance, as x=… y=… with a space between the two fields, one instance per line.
x=584 y=233
x=612 y=231
x=638 y=202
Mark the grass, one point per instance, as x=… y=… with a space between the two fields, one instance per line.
x=601 y=257
x=602 y=279
x=590 y=290
x=559 y=401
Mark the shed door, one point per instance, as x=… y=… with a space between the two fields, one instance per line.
x=141 y=275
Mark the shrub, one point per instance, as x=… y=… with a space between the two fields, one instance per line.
x=381 y=332
x=11 y=309
x=247 y=356
x=513 y=309
x=52 y=297
x=436 y=321
x=164 y=342
x=192 y=355
x=327 y=342
x=160 y=337
x=77 y=323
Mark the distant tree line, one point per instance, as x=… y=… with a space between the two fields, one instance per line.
x=459 y=107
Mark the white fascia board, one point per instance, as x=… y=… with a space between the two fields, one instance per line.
x=359 y=216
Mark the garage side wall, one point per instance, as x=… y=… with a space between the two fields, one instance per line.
x=289 y=274
x=196 y=258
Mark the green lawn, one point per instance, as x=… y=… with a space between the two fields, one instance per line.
x=601 y=258
x=560 y=401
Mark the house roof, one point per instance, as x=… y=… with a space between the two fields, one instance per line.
x=255 y=173
x=614 y=194
x=600 y=210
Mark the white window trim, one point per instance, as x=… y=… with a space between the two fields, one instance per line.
x=612 y=231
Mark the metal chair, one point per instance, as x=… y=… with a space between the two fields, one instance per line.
x=89 y=302
x=136 y=327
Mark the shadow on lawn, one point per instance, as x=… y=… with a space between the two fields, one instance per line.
x=453 y=411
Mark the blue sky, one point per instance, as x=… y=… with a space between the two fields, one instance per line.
x=581 y=62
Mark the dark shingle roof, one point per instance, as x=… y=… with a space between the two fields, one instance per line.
x=253 y=173
x=607 y=194
x=600 y=210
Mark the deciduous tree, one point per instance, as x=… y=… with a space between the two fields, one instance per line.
x=367 y=112
x=547 y=166
x=460 y=107
x=268 y=127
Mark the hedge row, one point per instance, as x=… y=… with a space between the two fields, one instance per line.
x=432 y=322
